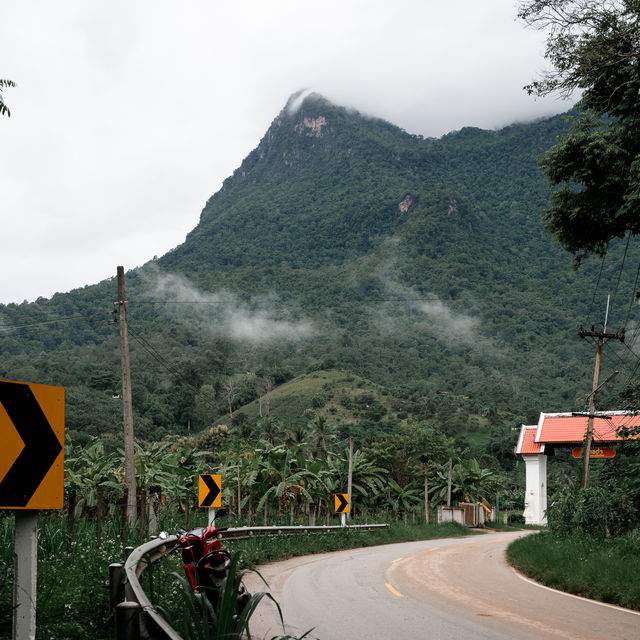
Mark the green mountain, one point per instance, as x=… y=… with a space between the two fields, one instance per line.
x=341 y=241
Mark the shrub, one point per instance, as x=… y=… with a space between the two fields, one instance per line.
x=580 y=512
x=319 y=400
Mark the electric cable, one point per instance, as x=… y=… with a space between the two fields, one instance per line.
x=595 y=291
x=7 y=329
x=624 y=258
x=168 y=366
x=633 y=297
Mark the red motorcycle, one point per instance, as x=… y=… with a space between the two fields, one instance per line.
x=207 y=564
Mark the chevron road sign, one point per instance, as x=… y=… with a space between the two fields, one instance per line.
x=210 y=491
x=32 y=453
x=341 y=502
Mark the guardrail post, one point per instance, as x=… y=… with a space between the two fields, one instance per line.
x=127 y=621
x=128 y=592
x=115 y=584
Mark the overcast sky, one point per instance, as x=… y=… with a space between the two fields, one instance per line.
x=129 y=114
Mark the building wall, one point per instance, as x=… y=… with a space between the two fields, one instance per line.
x=535 y=498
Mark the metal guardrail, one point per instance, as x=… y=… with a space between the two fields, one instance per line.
x=137 y=618
x=249 y=532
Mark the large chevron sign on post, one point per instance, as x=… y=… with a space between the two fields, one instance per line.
x=32 y=453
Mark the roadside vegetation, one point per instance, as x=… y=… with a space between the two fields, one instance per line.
x=73 y=596
x=602 y=569
x=591 y=545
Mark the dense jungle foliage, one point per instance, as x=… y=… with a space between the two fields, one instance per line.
x=342 y=242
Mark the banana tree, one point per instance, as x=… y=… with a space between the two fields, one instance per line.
x=368 y=480
x=284 y=473
x=88 y=471
x=469 y=483
x=402 y=499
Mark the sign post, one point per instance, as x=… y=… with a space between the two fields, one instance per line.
x=31 y=478
x=25 y=577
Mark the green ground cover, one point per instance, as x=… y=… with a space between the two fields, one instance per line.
x=602 y=569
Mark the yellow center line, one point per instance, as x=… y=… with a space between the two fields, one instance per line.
x=396 y=560
x=395 y=593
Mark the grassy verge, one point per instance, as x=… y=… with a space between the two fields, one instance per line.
x=72 y=596
x=606 y=570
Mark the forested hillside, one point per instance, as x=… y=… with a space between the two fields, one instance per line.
x=340 y=242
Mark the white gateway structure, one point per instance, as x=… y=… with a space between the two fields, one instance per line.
x=537 y=442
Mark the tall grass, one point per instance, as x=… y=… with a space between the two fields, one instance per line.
x=72 y=596
x=603 y=569
x=198 y=619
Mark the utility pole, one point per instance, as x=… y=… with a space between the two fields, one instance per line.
x=426 y=490
x=588 y=439
x=350 y=475
x=127 y=409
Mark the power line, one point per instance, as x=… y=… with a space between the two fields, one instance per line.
x=8 y=329
x=633 y=296
x=595 y=291
x=624 y=258
x=168 y=367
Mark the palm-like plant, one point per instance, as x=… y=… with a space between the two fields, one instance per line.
x=469 y=483
x=284 y=474
x=88 y=471
x=4 y=110
x=403 y=498
x=368 y=480
x=269 y=429
x=296 y=436
x=156 y=465
x=88 y=468
x=322 y=436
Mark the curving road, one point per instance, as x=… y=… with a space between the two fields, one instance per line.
x=451 y=589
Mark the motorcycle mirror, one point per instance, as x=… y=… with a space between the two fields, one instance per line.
x=163 y=535
x=222 y=513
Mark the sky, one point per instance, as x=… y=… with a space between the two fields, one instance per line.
x=129 y=114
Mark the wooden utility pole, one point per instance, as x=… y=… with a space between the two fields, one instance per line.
x=127 y=409
x=426 y=492
x=350 y=475
x=588 y=439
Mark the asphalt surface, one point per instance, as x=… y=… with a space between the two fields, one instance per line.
x=451 y=589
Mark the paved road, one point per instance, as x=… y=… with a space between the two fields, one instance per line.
x=449 y=589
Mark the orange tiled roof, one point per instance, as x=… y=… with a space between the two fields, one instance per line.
x=565 y=428
x=526 y=441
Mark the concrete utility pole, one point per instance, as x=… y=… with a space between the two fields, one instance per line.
x=127 y=409
x=588 y=439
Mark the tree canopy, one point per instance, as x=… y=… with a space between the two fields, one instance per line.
x=594 y=47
